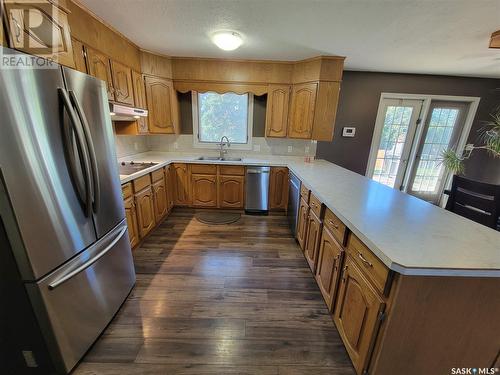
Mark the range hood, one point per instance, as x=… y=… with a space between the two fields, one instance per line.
x=120 y=112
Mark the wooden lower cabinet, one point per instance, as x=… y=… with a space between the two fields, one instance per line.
x=131 y=217
x=311 y=247
x=181 y=189
x=329 y=266
x=169 y=188
x=204 y=190
x=159 y=200
x=302 y=219
x=278 y=188
x=357 y=313
x=145 y=210
x=231 y=191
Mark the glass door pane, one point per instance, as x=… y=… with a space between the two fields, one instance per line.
x=442 y=130
x=399 y=123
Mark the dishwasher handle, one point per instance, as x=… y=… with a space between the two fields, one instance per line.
x=257 y=171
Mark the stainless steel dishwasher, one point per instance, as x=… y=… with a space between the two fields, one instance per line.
x=257 y=189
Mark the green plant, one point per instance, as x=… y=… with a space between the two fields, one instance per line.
x=490 y=139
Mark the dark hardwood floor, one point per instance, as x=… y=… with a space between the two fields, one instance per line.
x=227 y=299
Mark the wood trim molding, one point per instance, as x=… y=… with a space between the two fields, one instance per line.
x=495 y=40
x=220 y=87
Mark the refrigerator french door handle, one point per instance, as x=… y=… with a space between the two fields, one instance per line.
x=91 y=151
x=84 y=163
x=73 y=272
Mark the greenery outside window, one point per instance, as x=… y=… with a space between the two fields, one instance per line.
x=216 y=115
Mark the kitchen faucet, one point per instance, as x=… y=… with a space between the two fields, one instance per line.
x=222 y=152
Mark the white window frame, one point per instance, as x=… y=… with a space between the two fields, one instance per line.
x=214 y=145
x=427 y=99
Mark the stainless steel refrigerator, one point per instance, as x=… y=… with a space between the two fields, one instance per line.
x=61 y=207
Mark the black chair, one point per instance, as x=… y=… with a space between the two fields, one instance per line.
x=475 y=200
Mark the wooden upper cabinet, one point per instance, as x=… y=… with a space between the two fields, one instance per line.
x=163 y=116
x=311 y=247
x=181 y=184
x=278 y=97
x=231 y=191
x=301 y=119
x=357 y=315
x=302 y=220
x=204 y=190
x=122 y=83
x=50 y=39
x=139 y=90
x=325 y=111
x=159 y=200
x=98 y=66
x=145 y=210
x=79 y=56
x=329 y=267
x=278 y=188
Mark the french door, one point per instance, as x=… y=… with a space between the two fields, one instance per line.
x=410 y=136
x=393 y=142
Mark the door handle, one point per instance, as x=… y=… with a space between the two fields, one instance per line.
x=82 y=153
x=91 y=151
x=65 y=277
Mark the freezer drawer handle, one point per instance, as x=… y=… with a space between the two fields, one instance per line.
x=54 y=284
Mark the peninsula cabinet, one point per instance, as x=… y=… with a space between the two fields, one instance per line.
x=180 y=181
x=357 y=314
x=278 y=97
x=163 y=116
x=302 y=218
x=312 y=240
x=301 y=119
x=278 y=188
x=329 y=266
x=122 y=83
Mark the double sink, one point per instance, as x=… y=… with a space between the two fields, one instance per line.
x=217 y=158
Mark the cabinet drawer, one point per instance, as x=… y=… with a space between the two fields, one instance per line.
x=141 y=183
x=336 y=226
x=157 y=175
x=375 y=270
x=127 y=190
x=304 y=193
x=233 y=170
x=315 y=205
x=203 y=168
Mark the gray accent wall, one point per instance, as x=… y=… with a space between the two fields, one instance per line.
x=359 y=99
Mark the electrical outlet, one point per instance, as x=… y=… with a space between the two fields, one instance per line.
x=176 y=145
x=256 y=148
x=307 y=149
x=290 y=149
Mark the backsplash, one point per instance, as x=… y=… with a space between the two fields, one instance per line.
x=127 y=145
x=261 y=146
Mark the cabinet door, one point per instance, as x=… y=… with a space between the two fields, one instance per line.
x=302 y=223
x=329 y=266
x=131 y=216
x=325 y=111
x=122 y=83
x=98 y=66
x=278 y=188
x=50 y=39
x=159 y=200
x=145 y=211
x=231 y=191
x=357 y=315
x=162 y=105
x=311 y=247
x=181 y=184
x=204 y=190
x=169 y=188
x=79 y=56
x=140 y=99
x=277 y=110
x=302 y=110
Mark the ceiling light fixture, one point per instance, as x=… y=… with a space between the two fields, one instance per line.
x=227 y=40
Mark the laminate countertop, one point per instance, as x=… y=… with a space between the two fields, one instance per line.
x=409 y=235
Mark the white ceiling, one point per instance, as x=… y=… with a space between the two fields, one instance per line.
x=411 y=36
